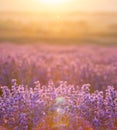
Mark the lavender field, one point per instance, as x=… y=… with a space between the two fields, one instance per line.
x=58 y=87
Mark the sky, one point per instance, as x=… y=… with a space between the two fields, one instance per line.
x=80 y=5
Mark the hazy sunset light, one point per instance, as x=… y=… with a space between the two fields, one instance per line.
x=53 y=2
x=54 y=5
x=58 y=64
x=39 y=5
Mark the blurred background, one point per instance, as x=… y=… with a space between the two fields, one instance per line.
x=57 y=21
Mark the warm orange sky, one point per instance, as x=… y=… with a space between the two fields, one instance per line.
x=82 y=5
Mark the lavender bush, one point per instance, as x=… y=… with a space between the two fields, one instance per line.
x=60 y=107
x=96 y=65
x=60 y=103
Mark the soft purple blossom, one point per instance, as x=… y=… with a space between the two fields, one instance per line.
x=23 y=108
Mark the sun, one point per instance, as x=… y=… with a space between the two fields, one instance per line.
x=54 y=6
x=53 y=2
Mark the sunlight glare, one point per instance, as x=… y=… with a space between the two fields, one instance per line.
x=53 y=2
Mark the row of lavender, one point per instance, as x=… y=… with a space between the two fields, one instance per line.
x=59 y=107
x=96 y=65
